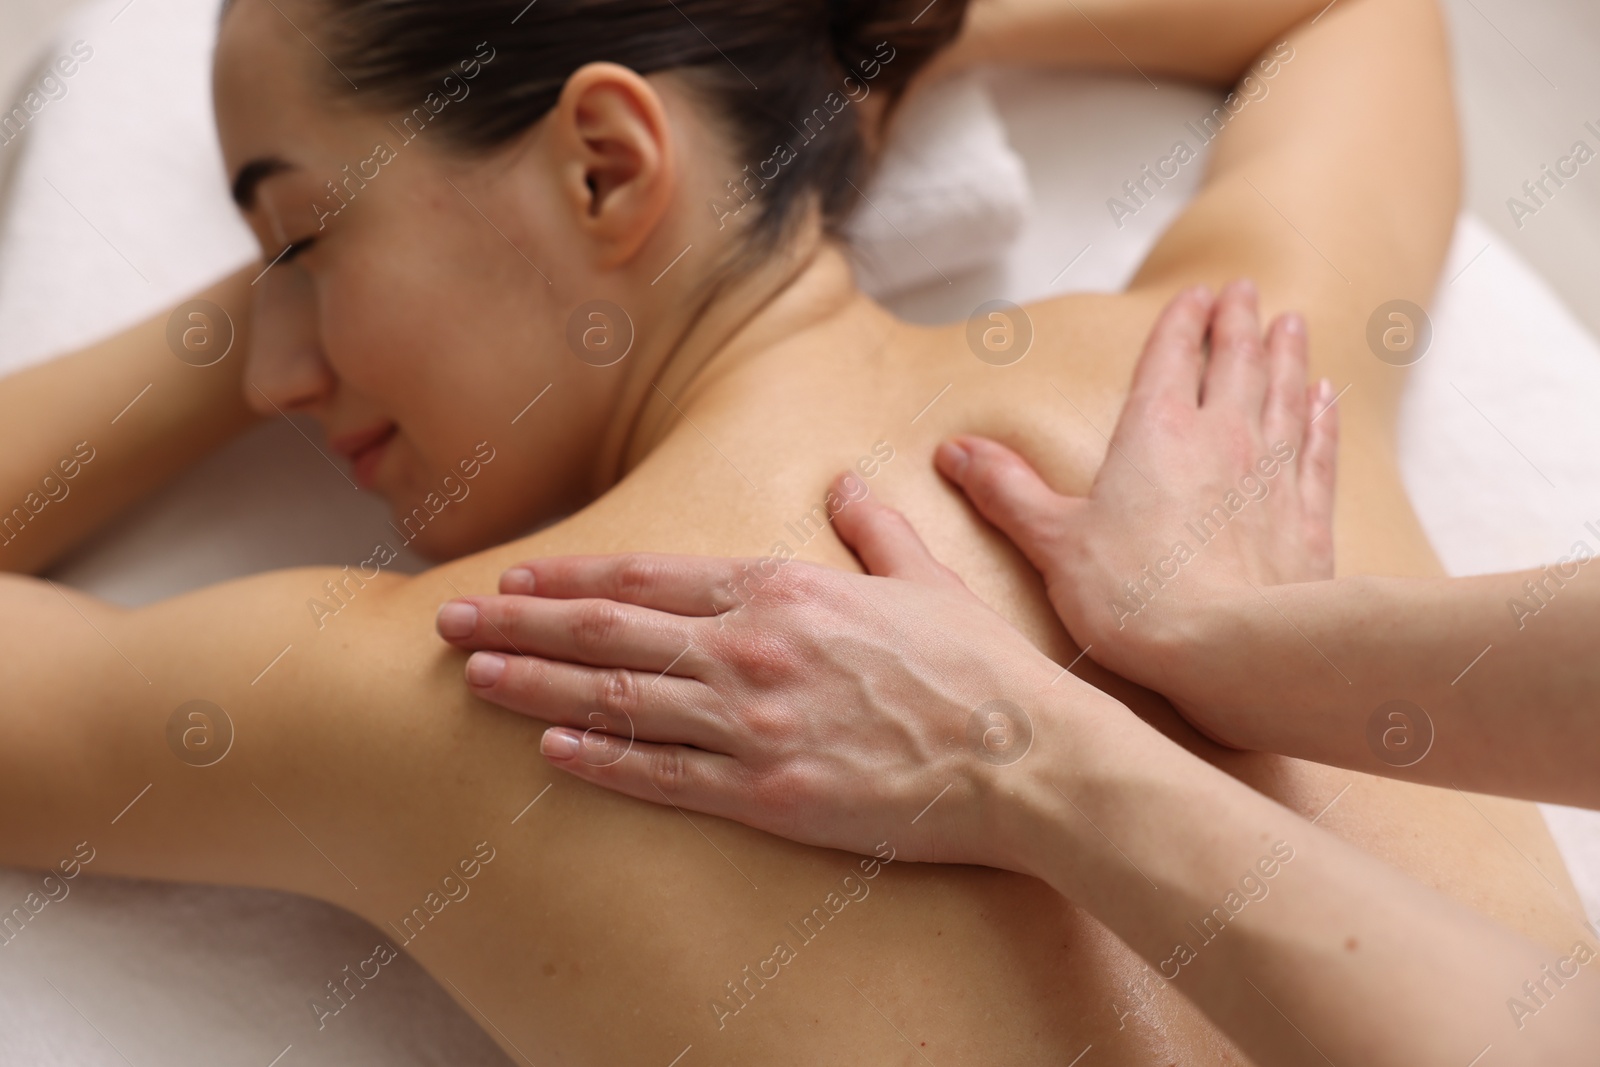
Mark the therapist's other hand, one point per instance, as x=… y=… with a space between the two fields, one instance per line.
x=1219 y=478
x=834 y=709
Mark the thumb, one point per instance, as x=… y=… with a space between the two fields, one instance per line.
x=885 y=541
x=1009 y=493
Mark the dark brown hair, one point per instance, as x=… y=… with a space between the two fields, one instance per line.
x=775 y=70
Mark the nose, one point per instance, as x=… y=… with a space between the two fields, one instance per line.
x=286 y=369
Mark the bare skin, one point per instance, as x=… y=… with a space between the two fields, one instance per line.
x=603 y=929
x=796 y=712
x=1523 y=726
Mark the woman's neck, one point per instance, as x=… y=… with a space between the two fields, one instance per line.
x=787 y=296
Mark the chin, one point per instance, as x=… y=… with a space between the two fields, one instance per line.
x=460 y=528
x=441 y=516
x=443 y=537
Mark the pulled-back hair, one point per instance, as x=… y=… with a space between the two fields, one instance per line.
x=775 y=71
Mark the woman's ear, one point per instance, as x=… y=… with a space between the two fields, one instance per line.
x=615 y=157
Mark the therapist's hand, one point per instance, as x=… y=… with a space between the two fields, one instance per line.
x=1219 y=480
x=834 y=709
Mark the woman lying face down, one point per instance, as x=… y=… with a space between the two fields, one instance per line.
x=449 y=309
x=564 y=209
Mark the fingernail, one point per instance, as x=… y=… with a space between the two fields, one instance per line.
x=1294 y=324
x=954 y=458
x=485 y=668
x=457 y=619
x=1324 y=393
x=1246 y=288
x=559 y=744
x=517 y=581
x=1199 y=292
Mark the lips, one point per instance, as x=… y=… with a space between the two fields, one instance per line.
x=365 y=451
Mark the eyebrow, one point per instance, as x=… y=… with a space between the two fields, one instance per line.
x=252 y=174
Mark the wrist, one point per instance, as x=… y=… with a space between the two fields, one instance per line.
x=1084 y=743
x=1198 y=649
x=1118 y=818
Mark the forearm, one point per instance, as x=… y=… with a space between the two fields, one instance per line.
x=1212 y=41
x=1487 y=684
x=91 y=433
x=1280 y=932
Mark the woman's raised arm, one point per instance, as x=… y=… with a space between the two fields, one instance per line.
x=1333 y=180
x=1211 y=41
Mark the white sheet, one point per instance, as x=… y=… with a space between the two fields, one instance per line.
x=185 y=975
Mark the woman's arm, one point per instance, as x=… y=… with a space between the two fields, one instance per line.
x=1291 y=180
x=1211 y=41
x=856 y=713
x=91 y=433
x=1332 y=177
x=1294 y=194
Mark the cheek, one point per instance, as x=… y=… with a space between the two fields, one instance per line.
x=395 y=342
x=433 y=321
x=417 y=312
x=453 y=367
x=374 y=328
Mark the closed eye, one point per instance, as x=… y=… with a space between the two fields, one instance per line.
x=294 y=251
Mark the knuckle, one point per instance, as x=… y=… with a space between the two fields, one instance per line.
x=794 y=584
x=761 y=659
x=751 y=586
x=618 y=694
x=669 y=769
x=597 y=624
x=785 y=793
x=766 y=725
x=636 y=578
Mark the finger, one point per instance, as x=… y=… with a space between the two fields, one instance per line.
x=662 y=774
x=683 y=585
x=1174 y=356
x=1009 y=493
x=598 y=633
x=1284 y=415
x=1319 y=473
x=1236 y=377
x=624 y=703
x=886 y=543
